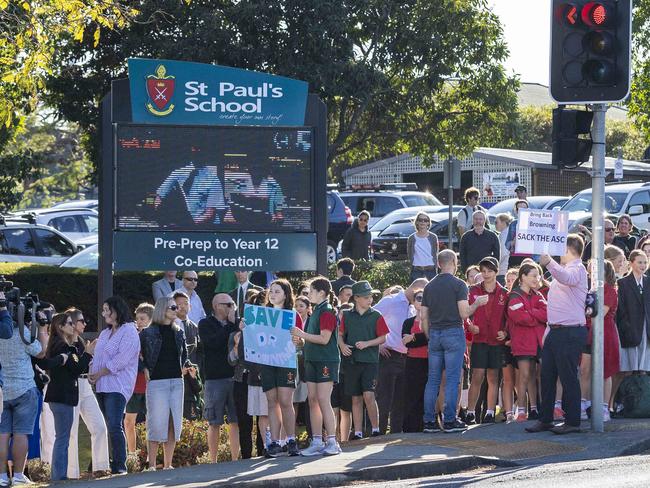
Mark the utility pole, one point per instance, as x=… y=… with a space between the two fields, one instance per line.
x=598 y=263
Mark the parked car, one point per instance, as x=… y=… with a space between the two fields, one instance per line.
x=23 y=240
x=76 y=224
x=339 y=221
x=381 y=203
x=390 y=245
x=620 y=198
x=93 y=204
x=539 y=202
x=406 y=212
x=86 y=259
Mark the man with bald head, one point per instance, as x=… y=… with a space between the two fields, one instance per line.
x=190 y=282
x=214 y=332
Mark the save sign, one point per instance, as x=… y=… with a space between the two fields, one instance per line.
x=267 y=339
x=542 y=232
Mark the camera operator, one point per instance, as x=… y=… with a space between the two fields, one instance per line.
x=6 y=331
x=20 y=405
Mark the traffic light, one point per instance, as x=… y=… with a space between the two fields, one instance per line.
x=571 y=140
x=590 y=51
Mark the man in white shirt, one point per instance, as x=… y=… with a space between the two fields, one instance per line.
x=239 y=294
x=392 y=356
x=190 y=282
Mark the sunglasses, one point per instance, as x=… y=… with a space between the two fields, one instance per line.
x=173 y=308
x=418 y=298
x=227 y=304
x=191 y=279
x=610 y=229
x=83 y=321
x=363 y=220
x=422 y=221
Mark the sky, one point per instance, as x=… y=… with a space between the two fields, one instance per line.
x=526 y=25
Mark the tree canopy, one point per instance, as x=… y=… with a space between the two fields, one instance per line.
x=415 y=75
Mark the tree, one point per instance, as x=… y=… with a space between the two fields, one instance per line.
x=44 y=164
x=31 y=33
x=532 y=128
x=639 y=101
x=414 y=75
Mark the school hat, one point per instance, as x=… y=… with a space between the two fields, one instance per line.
x=521 y=188
x=362 y=289
x=490 y=262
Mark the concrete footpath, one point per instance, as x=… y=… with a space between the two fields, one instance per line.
x=403 y=456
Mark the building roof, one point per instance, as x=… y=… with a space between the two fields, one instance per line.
x=532 y=159
x=537 y=95
x=536 y=159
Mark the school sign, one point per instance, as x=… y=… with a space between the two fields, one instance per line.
x=179 y=92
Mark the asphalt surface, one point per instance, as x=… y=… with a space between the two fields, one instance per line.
x=388 y=459
x=628 y=472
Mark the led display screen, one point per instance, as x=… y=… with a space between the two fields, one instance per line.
x=191 y=178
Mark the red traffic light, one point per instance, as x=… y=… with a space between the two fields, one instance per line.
x=596 y=14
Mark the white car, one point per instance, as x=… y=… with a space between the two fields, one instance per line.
x=93 y=204
x=381 y=203
x=22 y=241
x=86 y=259
x=620 y=198
x=78 y=224
x=405 y=213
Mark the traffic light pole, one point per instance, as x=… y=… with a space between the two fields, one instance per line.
x=598 y=263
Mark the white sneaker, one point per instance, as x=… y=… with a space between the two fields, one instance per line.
x=4 y=480
x=313 y=449
x=606 y=416
x=21 y=479
x=332 y=449
x=583 y=415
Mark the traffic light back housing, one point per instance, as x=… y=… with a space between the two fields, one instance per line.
x=571 y=137
x=590 y=51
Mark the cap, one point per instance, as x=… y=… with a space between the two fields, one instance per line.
x=363 y=289
x=490 y=262
x=521 y=188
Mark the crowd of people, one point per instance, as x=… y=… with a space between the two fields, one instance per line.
x=482 y=336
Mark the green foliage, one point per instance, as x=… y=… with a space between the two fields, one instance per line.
x=532 y=128
x=68 y=287
x=192 y=447
x=44 y=164
x=415 y=75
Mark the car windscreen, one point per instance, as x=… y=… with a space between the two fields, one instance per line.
x=399 y=229
x=582 y=202
x=420 y=200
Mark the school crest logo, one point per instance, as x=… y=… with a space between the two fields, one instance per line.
x=326 y=372
x=160 y=89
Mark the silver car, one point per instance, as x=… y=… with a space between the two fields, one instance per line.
x=24 y=242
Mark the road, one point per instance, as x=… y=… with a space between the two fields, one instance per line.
x=628 y=472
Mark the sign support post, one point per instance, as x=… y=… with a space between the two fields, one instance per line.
x=598 y=268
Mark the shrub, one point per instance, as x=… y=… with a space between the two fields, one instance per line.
x=191 y=449
x=66 y=287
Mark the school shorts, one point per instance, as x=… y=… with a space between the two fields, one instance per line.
x=321 y=371
x=361 y=377
x=275 y=377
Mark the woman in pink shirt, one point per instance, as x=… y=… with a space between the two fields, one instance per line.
x=113 y=372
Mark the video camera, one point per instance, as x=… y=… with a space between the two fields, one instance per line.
x=27 y=310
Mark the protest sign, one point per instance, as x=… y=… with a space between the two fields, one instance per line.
x=542 y=232
x=267 y=338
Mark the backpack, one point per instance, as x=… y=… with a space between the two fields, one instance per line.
x=634 y=394
x=464 y=210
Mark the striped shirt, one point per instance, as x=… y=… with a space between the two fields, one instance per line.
x=119 y=354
